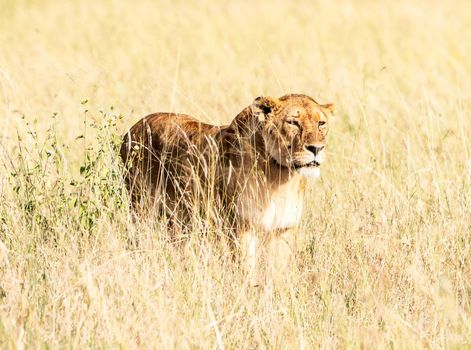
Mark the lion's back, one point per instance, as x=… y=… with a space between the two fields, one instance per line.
x=159 y=147
x=161 y=130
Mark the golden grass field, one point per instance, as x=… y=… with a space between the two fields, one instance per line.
x=384 y=260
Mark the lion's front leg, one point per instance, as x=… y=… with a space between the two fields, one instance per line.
x=249 y=247
x=280 y=252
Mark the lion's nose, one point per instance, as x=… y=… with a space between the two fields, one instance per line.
x=315 y=149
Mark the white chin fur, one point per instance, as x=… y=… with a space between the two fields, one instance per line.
x=310 y=172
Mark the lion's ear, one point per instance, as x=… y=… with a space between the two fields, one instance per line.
x=330 y=107
x=263 y=106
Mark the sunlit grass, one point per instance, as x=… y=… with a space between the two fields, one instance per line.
x=384 y=251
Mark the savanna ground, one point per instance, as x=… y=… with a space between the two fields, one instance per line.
x=384 y=259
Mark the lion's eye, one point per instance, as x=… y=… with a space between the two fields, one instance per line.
x=293 y=122
x=321 y=123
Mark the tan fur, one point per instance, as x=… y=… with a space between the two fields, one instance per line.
x=254 y=169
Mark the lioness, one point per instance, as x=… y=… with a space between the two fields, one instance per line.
x=254 y=169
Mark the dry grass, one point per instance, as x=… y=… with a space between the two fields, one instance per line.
x=385 y=259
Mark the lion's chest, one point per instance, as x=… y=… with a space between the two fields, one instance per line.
x=276 y=209
x=281 y=212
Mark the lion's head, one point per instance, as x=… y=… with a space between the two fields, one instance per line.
x=294 y=129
